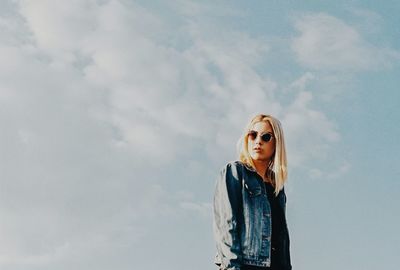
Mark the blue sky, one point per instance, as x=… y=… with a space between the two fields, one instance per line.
x=117 y=115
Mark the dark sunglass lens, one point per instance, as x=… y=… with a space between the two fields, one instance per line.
x=266 y=137
x=252 y=135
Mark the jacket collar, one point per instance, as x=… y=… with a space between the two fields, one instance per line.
x=248 y=167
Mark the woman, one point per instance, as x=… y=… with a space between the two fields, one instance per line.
x=249 y=202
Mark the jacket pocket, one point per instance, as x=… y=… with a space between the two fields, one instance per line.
x=253 y=190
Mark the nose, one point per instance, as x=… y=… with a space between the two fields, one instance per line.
x=258 y=139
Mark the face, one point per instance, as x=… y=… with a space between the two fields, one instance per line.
x=259 y=149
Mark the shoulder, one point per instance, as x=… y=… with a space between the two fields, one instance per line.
x=233 y=169
x=237 y=169
x=239 y=165
x=234 y=165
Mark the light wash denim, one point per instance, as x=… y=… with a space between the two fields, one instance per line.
x=242 y=218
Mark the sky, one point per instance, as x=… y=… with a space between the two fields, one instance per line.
x=117 y=115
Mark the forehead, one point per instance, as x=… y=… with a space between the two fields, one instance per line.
x=262 y=127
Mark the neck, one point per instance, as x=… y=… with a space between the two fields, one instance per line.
x=261 y=168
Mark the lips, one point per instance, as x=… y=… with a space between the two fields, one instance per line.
x=257 y=149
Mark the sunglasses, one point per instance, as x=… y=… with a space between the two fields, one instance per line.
x=266 y=137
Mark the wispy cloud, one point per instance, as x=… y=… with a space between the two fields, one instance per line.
x=102 y=116
x=325 y=42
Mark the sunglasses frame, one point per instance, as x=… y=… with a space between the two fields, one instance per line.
x=252 y=135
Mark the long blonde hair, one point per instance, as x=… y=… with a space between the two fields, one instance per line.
x=277 y=168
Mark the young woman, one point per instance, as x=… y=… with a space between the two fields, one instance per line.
x=249 y=202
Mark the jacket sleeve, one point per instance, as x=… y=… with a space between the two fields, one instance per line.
x=227 y=206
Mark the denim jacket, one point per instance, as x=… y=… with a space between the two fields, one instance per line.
x=242 y=219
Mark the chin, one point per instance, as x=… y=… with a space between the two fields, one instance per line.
x=258 y=158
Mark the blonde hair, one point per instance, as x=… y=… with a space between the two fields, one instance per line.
x=277 y=167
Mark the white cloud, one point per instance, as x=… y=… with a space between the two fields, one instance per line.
x=335 y=174
x=103 y=121
x=203 y=209
x=59 y=27
x=309 y=132
x=328 y=43
x=301 y=83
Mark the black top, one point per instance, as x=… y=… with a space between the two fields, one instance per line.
x=278 y=249
x=278 y=225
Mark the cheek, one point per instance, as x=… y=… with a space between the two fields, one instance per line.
x=270 y=148
x=249 y=146
x=273 y=148
x=273 y=144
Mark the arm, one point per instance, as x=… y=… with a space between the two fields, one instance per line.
x=227 y=206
